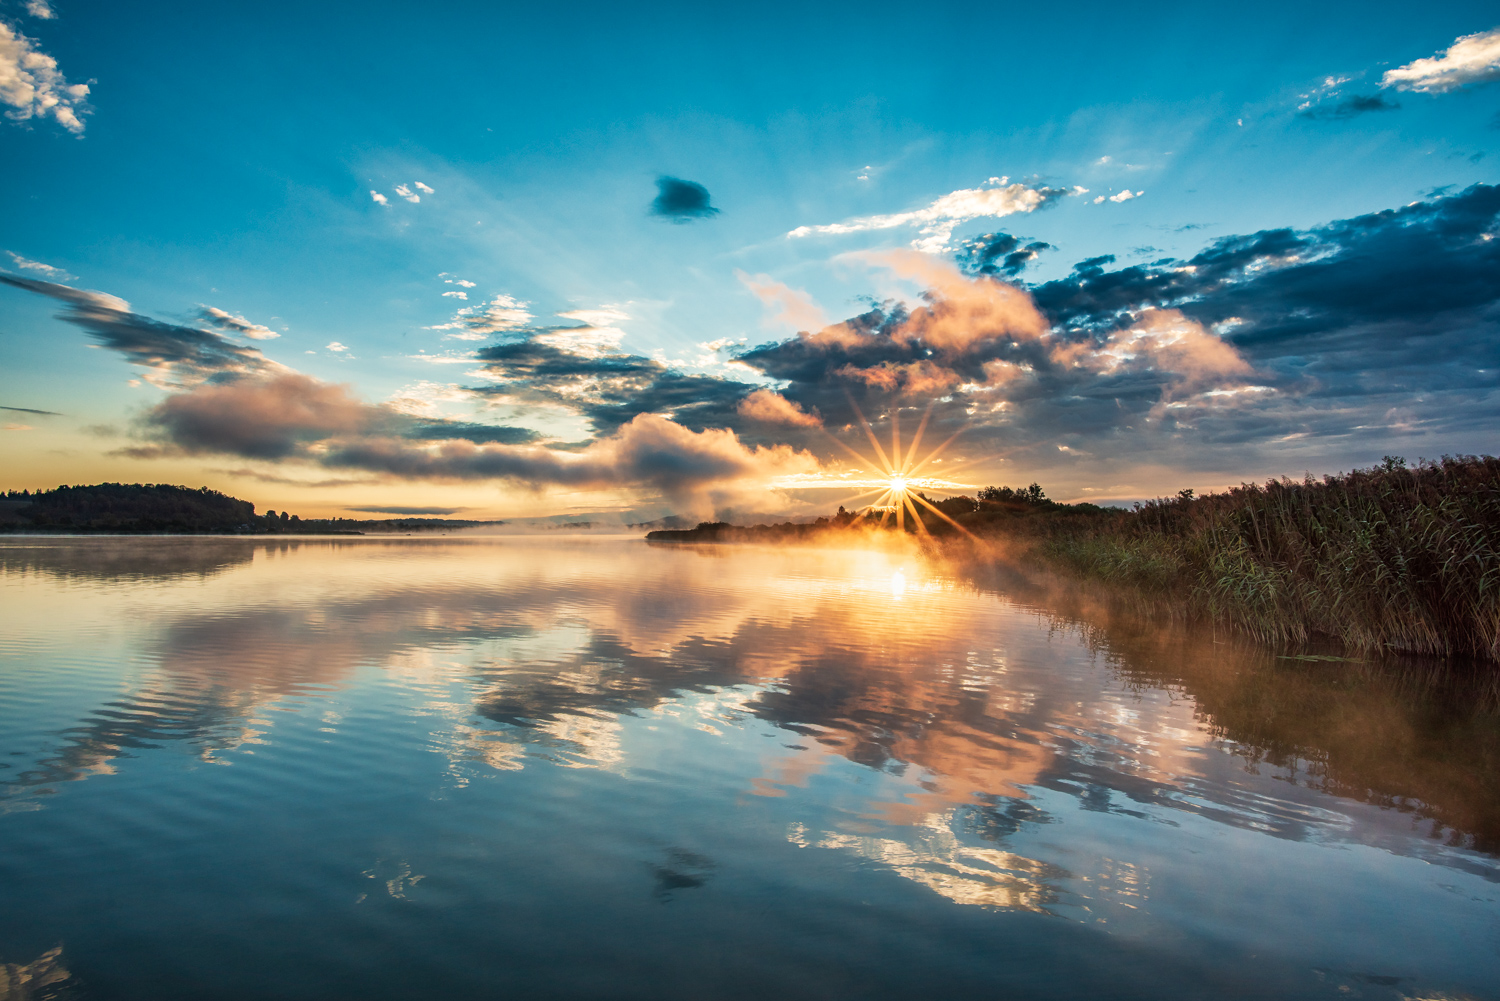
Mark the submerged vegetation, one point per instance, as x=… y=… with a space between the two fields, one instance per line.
x=1392 y=558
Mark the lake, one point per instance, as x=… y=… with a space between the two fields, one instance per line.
x=600 y=768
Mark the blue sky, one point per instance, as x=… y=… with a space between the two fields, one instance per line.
x=227 y=159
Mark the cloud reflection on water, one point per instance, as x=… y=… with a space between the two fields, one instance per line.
x=967 y=707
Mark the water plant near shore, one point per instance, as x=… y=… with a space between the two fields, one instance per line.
x=1388 y=558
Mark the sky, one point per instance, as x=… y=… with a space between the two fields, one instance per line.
x=499 y=261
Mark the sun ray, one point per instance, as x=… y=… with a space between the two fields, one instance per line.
x=896 y=441
x=938 y=451
x=864 y=463
x=870 y=433
x=911 y=453
x=928 y=504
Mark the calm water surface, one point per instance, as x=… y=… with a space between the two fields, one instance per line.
x=595 y=768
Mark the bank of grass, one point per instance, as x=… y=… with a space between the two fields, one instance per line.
x=1392 y=558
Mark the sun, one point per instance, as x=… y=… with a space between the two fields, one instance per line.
x=897 y=478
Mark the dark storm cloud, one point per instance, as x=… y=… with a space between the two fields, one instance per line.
x=681 y=201
x=1349 y=107
x=171 y=353
x=999 y=254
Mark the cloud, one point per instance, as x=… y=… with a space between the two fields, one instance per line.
x=476 y=323
x=264 y=418
x=768 y=407
x=425 y=398
x=173 y=355
x=681 y=201
x=296 y=417
x=292 y=415
x=1123 y=196
x=457 y=295
x=692 y=468
x=378 y=198
x=290 y=481
x=19 y=427
x=237 y=324
x=1333 y=342
x=1349 y=107
x=444 y=429
x=1471 y=59
x=792 y=307
x=406 y=510
x=936 y=222
x=31 y=84
x=999 y=254
x=1350 y=336
x=337 y=347
x=607 y=388
x=46 y=270
x=408 y=193
x=423 y=188
x=28 y=410
x=40 y=9
x=597 y=338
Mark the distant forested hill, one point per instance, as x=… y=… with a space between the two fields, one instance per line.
x=126 y=507
x=159 y=507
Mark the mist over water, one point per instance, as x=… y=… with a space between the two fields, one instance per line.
x=591 y=767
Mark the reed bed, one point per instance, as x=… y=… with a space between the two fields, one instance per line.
x=1393 y=558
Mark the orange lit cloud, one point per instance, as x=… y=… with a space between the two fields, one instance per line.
x=789 y=306
x=769 y=407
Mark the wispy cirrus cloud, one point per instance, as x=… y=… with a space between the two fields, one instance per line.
x=406 y=509
x=173 y=355
x=45 y=270
x=937 y=221
x=237 y=324
x=33 y=86
x=1471 y=59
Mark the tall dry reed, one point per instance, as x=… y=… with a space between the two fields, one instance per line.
x=1388 y=558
